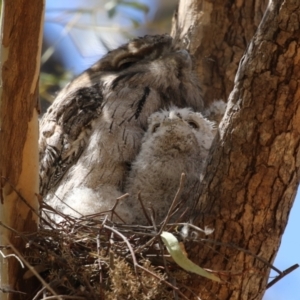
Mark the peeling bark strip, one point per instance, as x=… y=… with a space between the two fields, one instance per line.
x=19 y=79
x=218 y=33
x=21 y=31
x=253 y=172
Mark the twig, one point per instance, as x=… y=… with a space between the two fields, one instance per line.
x=205 y=231
x=99 y=261
x=6 y=289
x=25 y=201
x=34 y=271
x=143 y=208
x=14 y=255
x=164 y=281
x=116 y=204
x=25 y=239
x=56 y=212
x=161 y=247
x=181 y=185
x=283 y=274
x=191 y=291
x=53 y=284
x=39 y=293
x=89 y=286
x=98 y=253
x=182 y=180
x=241 y=249
x=63 y=297
x=128 y=245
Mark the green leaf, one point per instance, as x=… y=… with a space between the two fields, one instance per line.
x=175 y=251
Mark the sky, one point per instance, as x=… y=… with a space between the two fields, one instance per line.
x=288 y=288
x=86 y=46
x=78 y=57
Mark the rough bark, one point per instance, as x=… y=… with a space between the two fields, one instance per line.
x=253 y=171
x=218 y=33
x=20 y=52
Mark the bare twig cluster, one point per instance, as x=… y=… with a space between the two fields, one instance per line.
x=94 y=258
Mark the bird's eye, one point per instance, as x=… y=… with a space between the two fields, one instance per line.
x=155 y=126
x=127 y=62
x=193 y=124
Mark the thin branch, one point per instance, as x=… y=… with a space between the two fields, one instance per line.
x=178 y=193
x=12 y=255
x=48 y=53
x=243 y=250
x=116 y=204
x=164 y=281
x=11 y=229
x=283 y=274
x=35 y=272
x=53 y=284
x=144 y=209
x=161 y=247
x=128 y=245
x=25 y=201
x=182 y=180
x=63 y=297
x=6 y=289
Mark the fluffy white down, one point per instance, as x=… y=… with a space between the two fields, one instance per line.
x=215 y=111
x=177 y=141
x=83 y=201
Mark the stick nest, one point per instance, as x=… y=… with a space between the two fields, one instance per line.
x=95 y=258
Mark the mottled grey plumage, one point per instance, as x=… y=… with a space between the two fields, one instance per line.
x=93 y=130
x=177 y=141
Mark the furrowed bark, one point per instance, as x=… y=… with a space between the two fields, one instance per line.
x=253 y=171
x=218 y=33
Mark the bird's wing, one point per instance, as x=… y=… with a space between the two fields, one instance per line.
x=64 y=130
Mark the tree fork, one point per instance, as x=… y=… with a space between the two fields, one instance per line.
x=218 y=33
x=253 y=171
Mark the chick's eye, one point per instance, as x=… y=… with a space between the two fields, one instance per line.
x=193 y=124
x=155 y=126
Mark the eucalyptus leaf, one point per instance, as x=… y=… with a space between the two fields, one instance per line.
x=180 y=258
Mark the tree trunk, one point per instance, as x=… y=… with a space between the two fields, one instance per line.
x=218 y=33
x=22 y=23
x=253 y=170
